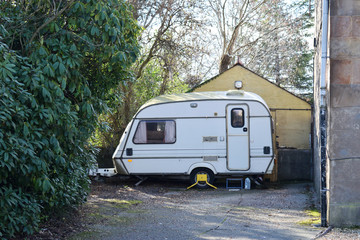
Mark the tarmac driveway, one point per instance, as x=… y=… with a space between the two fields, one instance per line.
x=165 y=210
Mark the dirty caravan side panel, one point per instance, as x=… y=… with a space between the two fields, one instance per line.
x=197 y=134
x=182 y=137
x=261 y=145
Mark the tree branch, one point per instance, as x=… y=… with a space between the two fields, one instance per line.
x=49 y=21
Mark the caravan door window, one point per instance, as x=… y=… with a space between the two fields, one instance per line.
x=155 y=132
x=237 y=117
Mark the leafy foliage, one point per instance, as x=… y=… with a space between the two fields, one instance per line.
x=129 y=97
x=170 y=51
x=59 y=61
x=150 y=84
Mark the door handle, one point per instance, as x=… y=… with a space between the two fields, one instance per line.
x=245 y=129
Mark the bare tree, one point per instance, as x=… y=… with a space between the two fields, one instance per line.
x=233 y=19
x=186 y=39
x=284 y=56
x=171 y=41
x=172 y=37
x=172 y=29
x=265 y=34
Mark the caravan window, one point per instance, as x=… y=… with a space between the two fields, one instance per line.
x=155 y=132
x=237 y=117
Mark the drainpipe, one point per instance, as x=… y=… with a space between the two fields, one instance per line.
x=323 y=111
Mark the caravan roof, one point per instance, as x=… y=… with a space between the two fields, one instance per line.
x=200 y=96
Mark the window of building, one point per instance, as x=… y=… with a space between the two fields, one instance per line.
x=155 y=132
x=237 y=117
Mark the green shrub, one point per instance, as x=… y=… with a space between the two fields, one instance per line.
x=56 y=72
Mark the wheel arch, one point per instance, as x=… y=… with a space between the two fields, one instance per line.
x=202 y=165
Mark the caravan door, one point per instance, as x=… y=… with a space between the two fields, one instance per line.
x=237 y=123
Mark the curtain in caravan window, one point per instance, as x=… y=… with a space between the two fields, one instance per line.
x=170 y=132
x=140 y=135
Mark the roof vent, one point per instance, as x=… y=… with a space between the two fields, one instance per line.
x=235 y=93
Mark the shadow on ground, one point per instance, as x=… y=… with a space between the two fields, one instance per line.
x=164 y=209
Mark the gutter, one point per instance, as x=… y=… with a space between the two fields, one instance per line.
x=324 y=56
x=323 y=111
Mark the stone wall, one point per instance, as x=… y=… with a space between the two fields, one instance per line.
x=344 y=113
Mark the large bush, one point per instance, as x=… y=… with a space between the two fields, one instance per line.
x=58 y=62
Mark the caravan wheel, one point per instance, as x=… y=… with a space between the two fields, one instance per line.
x=202 y=185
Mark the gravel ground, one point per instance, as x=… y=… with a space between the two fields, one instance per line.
x=339 y=234
x=163 y=209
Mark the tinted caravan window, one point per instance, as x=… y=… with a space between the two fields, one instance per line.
x=155 y=132
x=237 y=117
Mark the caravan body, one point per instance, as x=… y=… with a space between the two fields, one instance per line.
x=218 y=133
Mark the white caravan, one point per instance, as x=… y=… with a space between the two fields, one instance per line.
x=217 y=133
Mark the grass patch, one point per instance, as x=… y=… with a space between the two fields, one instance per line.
x=123 y=204
x=315 y=217
x=354 y=227
x=108 y=210
x=137 y=211
x=97 y=218
x=313 y=213
x=244 y=208
x=310 y=222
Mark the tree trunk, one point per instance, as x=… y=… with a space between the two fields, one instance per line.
x=128 y=102
x=224 y=63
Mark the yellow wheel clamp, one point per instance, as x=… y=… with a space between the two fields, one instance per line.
x=201 y=178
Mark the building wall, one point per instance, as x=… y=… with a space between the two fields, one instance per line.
x=292 y=115
x=290 y=157
x=343 y=112
x=293 y=128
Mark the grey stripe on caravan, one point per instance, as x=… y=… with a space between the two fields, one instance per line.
x=155 y=158
x=174 y=118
